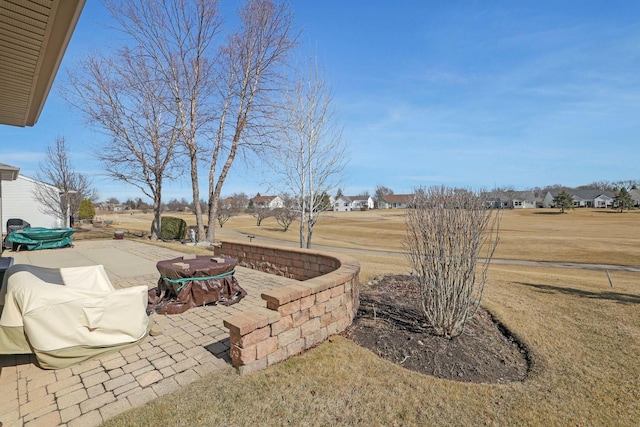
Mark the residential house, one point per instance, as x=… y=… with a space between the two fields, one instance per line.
x=589 y=198
x=19 y=201
x=510 y=199
x=268 y=202
x=395 y=201
x=352 y=203
x=234 y=204
x=548 y=202
x=342 y=204
x=635 y=195
x=110 y=207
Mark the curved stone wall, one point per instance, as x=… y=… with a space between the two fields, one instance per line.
x=298 y=316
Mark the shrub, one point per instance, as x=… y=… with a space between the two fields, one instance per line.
x=446 y=231
x=86 y=210
x=172 y=228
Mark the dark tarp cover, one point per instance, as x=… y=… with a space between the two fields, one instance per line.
x=187 y=283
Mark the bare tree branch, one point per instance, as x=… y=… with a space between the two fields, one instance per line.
x=176 y=37
x=215 y=99
x=251 y=70
x=60 y=185
x=124 y=97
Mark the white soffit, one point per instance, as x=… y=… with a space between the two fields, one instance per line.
x=33 y=37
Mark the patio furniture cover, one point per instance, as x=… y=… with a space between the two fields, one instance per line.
x=42 y=238
x=67 y=315
x=186 y=283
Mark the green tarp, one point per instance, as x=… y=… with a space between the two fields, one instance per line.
x=42 y=238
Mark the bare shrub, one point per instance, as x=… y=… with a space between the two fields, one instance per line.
x=447 y=229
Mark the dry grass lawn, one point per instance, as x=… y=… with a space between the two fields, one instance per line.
x=582 y=235
x=583 y=336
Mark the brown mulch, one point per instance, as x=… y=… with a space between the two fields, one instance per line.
x=391 y=324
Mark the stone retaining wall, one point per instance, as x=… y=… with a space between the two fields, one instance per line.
x=297 y=316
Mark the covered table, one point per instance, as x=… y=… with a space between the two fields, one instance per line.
x=190 y=282
x=41 y=238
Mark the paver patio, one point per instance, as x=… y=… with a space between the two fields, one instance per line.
x=191 y=345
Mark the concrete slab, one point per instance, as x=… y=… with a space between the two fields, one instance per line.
x=121 y=258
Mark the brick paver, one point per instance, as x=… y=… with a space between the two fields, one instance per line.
x=191 y=345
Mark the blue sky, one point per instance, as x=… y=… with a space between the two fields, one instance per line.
x=463 y=93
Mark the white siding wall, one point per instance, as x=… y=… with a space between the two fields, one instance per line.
x=18 y=201
x=341 y=205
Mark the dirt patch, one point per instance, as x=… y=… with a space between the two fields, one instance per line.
x=391 y=324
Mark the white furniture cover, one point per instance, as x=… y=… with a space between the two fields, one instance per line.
x=67 y=315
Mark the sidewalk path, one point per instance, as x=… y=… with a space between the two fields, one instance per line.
x=192 y=345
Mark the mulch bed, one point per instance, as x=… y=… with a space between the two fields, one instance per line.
x=391 y=324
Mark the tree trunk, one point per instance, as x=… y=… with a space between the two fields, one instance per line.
x=310 y=224
x=303 y=216
x=196 y=195
x=155 y=224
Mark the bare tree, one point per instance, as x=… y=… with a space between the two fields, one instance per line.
x=124 y=97
x=221 y=93
x=239 y=202
x=67 y=187
x=251 y=72
x=446 y=232
x=260 y=213
x=288 y=213
x=224 y=214
x=381 y=192
x=177 y=205
x=313 y=155
x=176 y=37
x=627 y=183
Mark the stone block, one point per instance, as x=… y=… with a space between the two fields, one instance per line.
x=337 y=290
x=332 y=328
x=296 y=347
x=242 y=356
x=326 y=319
x=317 y=310
x=252 y=338
x=307 y=302
x=323 y=296
x=333 y=303
x=255 y=366
x=242 y=324
x=279 y=296
x=284 y=324
x=300 y=317
x=271 y=315
x=266 y=347
x=310 y=327
x=289 y=308
x=316 y=338
x=287 y=337
x=277 y=356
